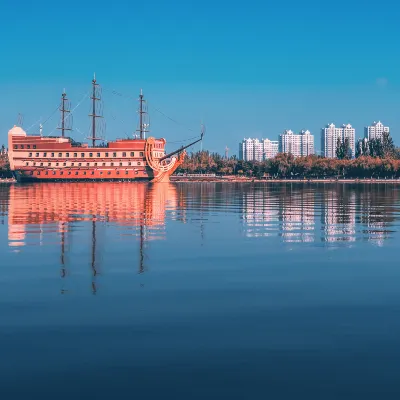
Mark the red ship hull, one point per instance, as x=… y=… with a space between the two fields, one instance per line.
x=79 y=175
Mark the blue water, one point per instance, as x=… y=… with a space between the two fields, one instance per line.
x=199 y=291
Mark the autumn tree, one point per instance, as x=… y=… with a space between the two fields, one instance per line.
x=281 y=165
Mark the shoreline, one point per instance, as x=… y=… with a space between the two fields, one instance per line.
x=8 y=180
x=250 y=180
x=175 y=179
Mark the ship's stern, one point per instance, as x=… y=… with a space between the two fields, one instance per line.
x=13 y=133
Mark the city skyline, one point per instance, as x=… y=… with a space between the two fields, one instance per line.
x=303 y=143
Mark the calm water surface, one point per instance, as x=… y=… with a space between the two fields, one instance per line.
x=199 y=291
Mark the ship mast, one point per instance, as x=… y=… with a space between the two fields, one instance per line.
x=143 y=125
x=95 y=97
x=64 y=109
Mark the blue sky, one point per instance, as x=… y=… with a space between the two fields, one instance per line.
x=249 y=68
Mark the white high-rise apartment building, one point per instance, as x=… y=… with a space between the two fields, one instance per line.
x=298 y=145
x=256 y=150
x=290 y=143
x=251 y=150
x=307 y=143
x=375 y=131
x=271 y=148
x=330 y=135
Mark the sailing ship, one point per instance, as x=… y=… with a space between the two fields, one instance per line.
x=61 y=158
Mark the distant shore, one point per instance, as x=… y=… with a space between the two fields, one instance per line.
x=7 y=180
x=311 y=180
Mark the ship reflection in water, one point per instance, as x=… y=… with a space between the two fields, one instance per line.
x=54 y=211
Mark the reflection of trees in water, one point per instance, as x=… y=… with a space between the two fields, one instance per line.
x=378 y=210
x=377 y=206
x=63 y=270
x=4 y=199
x=207 y=196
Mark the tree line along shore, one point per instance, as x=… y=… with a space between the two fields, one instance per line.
x=286 y=166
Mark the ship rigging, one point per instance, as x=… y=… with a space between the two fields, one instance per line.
x=60 y=158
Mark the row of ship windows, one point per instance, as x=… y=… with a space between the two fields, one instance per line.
x=83 y=155
x=21 y=146
x=83 y=172
x=80 y=164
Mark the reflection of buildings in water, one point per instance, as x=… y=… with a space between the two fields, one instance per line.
x=358 y=212
x=377 y=212
x=298 y=216
x=56 y=207
x=338 y=215
x=288 y=213
x=260 y=213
